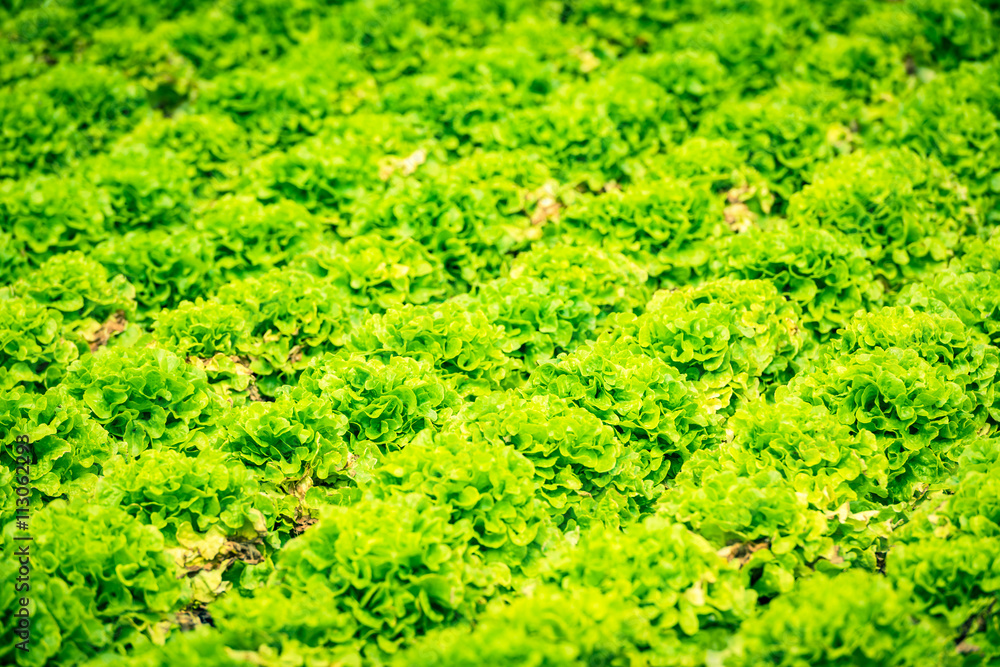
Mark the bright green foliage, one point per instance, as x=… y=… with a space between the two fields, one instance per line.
x=144 y=188
x=469 y=215
x=488 y=485
x=963 y=136
x=948 y=553
x=864 y=67
x=897 y=25
x=397 y=567
x=213 y=144
x=585 y=473
x=673 y=575
x=467 y=87
x=179 y=494
x=147 y=397
x=549 y=626
x=143 y=56
x=826 y=273
x=251 y=238
x=295 y=625
x=196 y=647
x=602 y=123
x=956 y=29
x=728 y=336
x=34 y=348
x=68 y=113
x=754 y=52
x=99 y=580
x=944 y=341
x=379 y=273
x=166 y=266
x=609 y=281
x=68 y=448
x=79 y=287
x=234 y=238
x=293 y=316
x=974 y=297
x=281 y=106
x=811 y=448
x=696 y=77
x=49 y=214
x=540 y=319
x=971 y=82
x=295 y=436
x=652 y=408
x=456 y=338
x=12 y=262
x=977 y=256
x=787 y=132
x=853 y=619
x=916 y=409
x=790 y=489
x=665 y=226
x=759 y=518
x=328 y=172
x=576 y=333
x=388 y=403
x=905 y=210
x=202 y=328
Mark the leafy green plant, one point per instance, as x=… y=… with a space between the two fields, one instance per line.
x=80 y=288
x=293 y=316
x=468 y=215
x=653 y=409
x=202 y=328
x=963 y=354
x=973 y=297
x=251 y=238
x=147 y=397
x=601 y=123
x=397 y=568
x=790 y=488
x=69 y=112
x=905 y=210
x=674 y=576
x=946 y=554
x=488 y=485
x=387 y=404
x=379 y=273
x=69 y=449
x=74 y=212
x=98 y=591
x=500 y=332
x=180 y=494
x=585 y=473
x=727 y=336
x=825 y=272
x=864 y=67
x=166 y=266
x=457 y=339
x=35 y=350
x=549 y=626
x=667 y=227
x=212 y=143
x=855 y=618
x=298 y=435
x=145 y=188
x=787 y=132
x=915 y=408
x=608 y=280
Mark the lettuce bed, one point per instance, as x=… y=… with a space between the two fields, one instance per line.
x=501 y=332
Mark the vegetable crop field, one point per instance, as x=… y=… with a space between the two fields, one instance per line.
x=500 y=333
